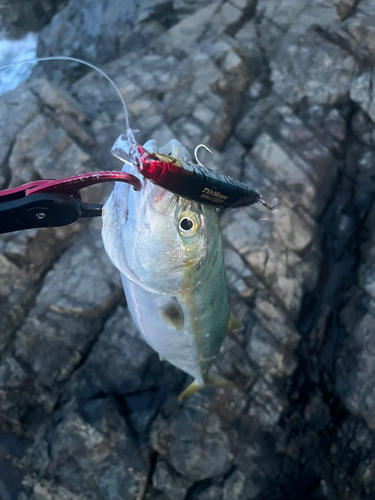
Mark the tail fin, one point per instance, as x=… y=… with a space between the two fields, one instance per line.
x=194 y=387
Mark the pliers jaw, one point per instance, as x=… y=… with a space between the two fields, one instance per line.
x=53 y=203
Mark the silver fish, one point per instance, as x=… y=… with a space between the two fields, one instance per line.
x=169 y=253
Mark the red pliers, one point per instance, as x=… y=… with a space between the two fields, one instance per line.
x=53 y=203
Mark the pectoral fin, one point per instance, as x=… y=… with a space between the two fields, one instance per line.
x=233 y=323
x=193 y=387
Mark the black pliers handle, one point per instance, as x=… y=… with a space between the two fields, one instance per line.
x=53 y=203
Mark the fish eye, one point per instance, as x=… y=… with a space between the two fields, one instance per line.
x=188 y=224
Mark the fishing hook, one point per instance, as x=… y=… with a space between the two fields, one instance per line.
x=196 y=152
x=271 y=206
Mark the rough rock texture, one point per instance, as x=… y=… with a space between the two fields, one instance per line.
x=18 y=18
x=282 y=92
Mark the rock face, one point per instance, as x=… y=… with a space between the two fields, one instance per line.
x=18 y=18
x=281 y=91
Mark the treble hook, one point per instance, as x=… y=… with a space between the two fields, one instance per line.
x=271 y=206
x=275 y=213
x=196 y=151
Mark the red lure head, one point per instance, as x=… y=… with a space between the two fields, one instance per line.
x=156 y=167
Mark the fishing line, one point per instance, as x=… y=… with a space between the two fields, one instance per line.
x=80 y=61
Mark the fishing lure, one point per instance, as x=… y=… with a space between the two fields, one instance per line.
x=183 y=177
x=165 y=240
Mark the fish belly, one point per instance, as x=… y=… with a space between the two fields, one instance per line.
x=174 y=345
x=185 y=329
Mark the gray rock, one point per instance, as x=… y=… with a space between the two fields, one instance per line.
x=271 y=265
x=59 y=297
x=360 y=162
x=11 y=373
x=313 y=69
x=38 y=455
x=365 y=472
x=330 y=134
x=229 y=16
x=183 y=7
x=295 y=232
x=76 y=296
x=247 y=39
x=355 y=360
x=239 y=276
x=230 y=404
x=233 y=364
x=272 y=316
x=97 y=455
x=240 y=486
x=367 y=7
x=48 y=490
x=267 y=405
x=22 y=269
x=42 y=149
x=317 y=414
x=17 y=109
x=357 y=33
x=211 y=493
x=295 y=175
x=95 y=32
x=261 y=348
x=67 y=111
x=12 y=475
x=255 y=119
x=22 y=17
x=119 y=363
x=152 y=494
x=182 y=38
x=193 y=442
x=295 y=160
x=367 y=267
x=289 y=19
x=361 y=93
x=173 y=486
x=344 y=7
x=363 y=128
